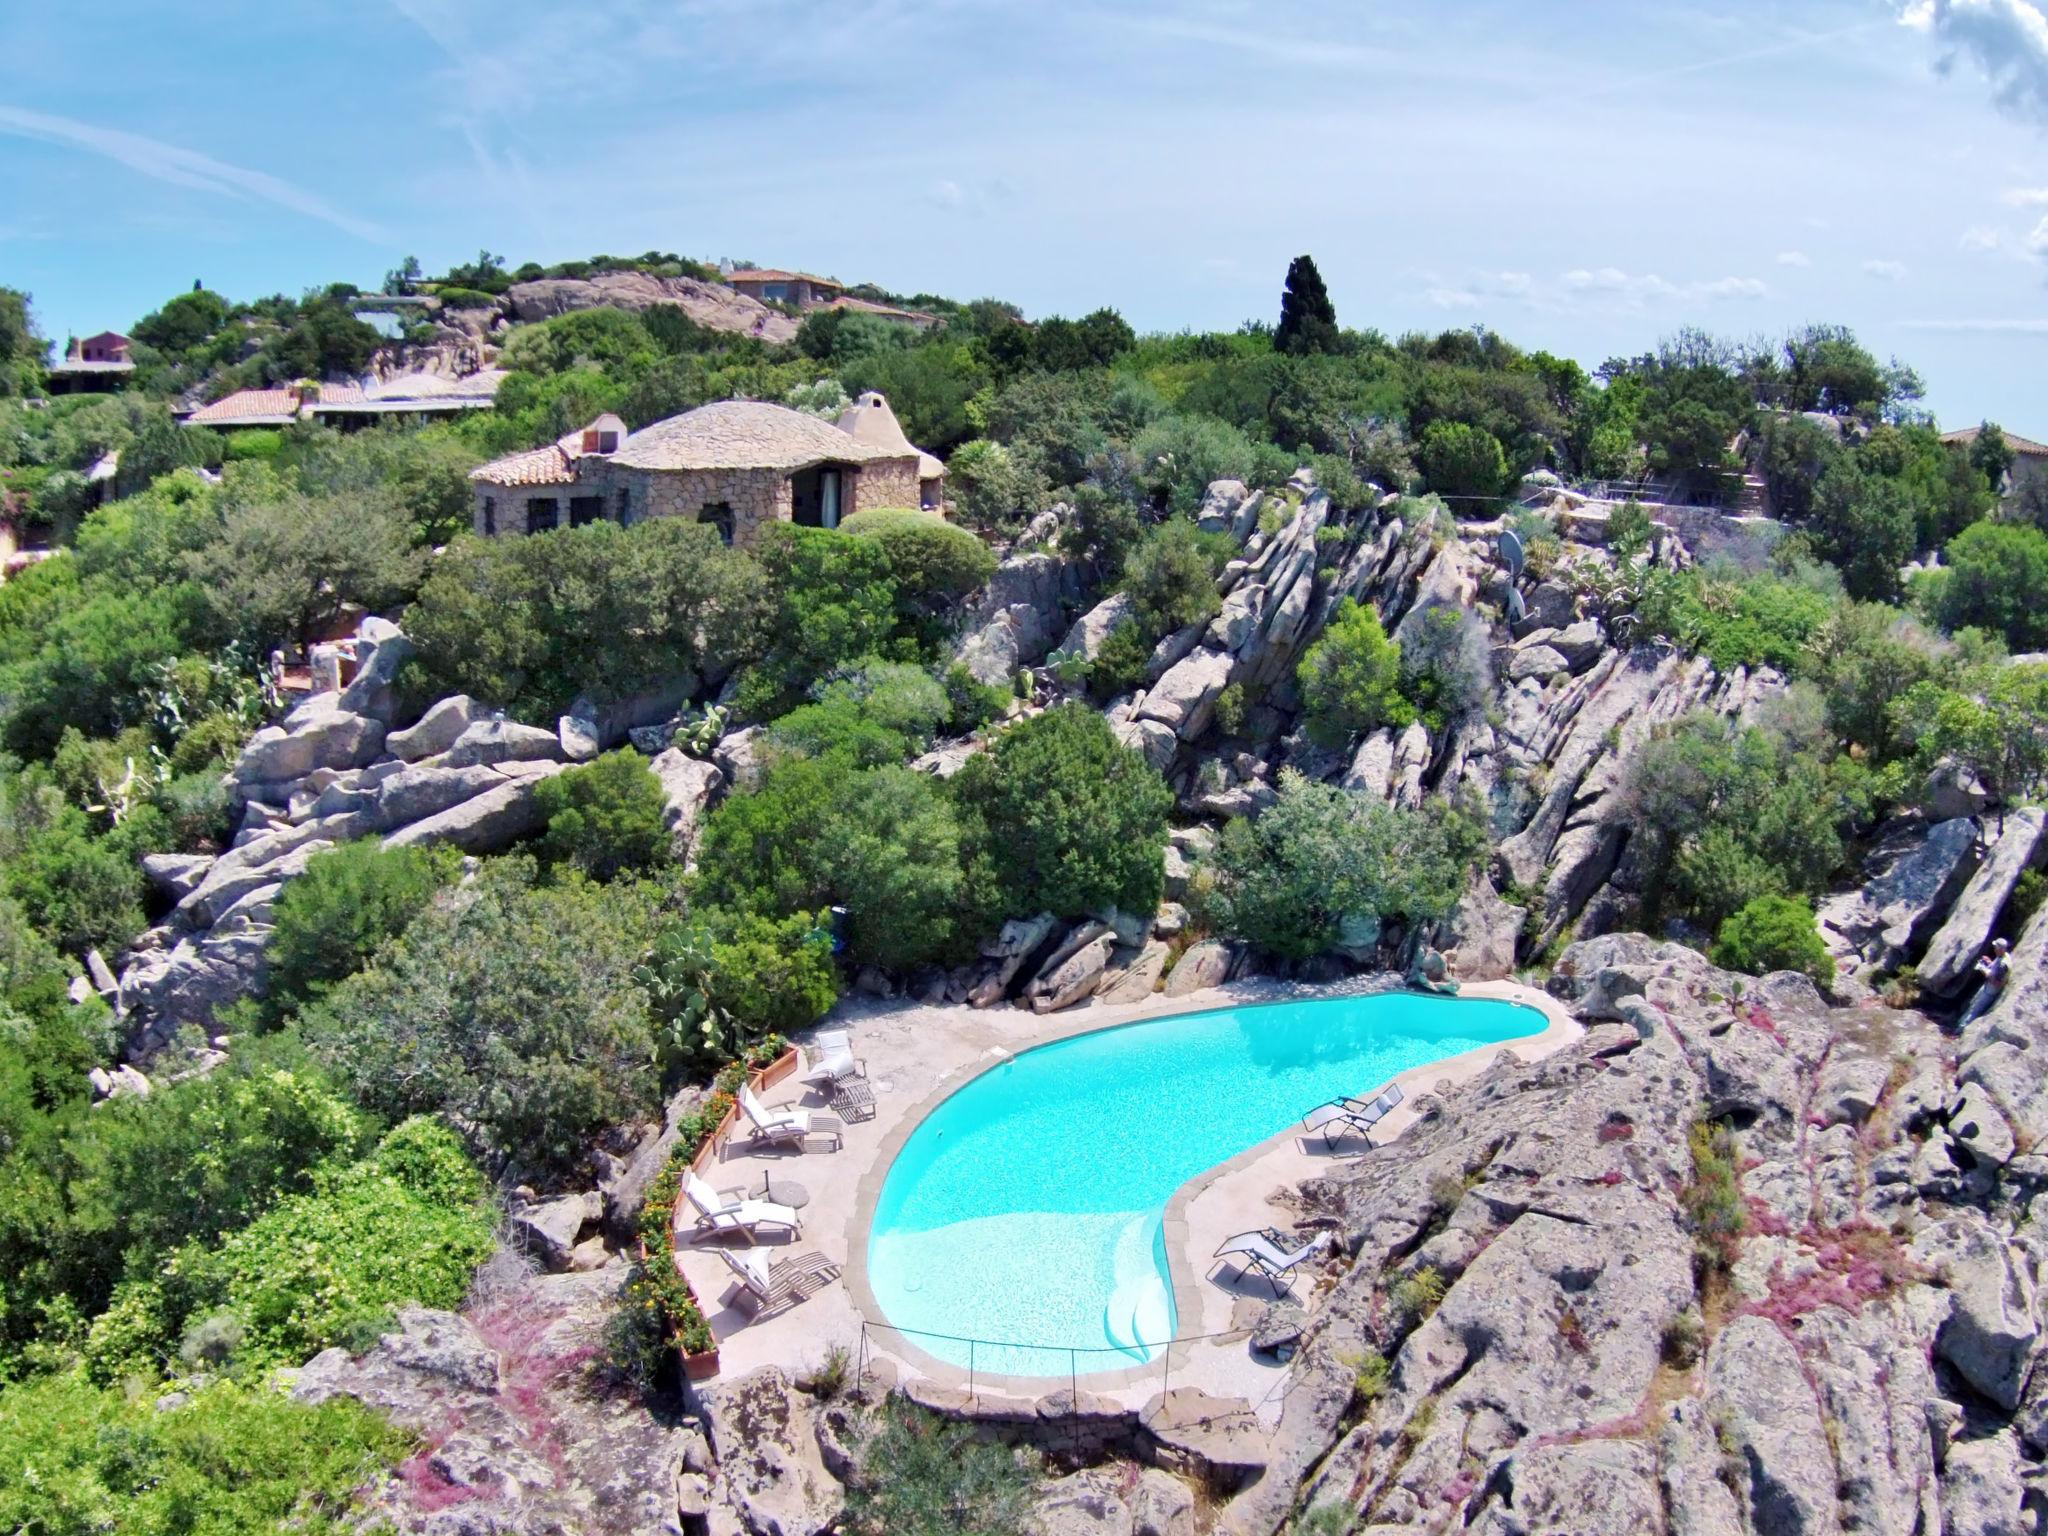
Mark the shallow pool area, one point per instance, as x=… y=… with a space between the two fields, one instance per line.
x=1028 y=1207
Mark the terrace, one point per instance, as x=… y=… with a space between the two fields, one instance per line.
x=918 y=1056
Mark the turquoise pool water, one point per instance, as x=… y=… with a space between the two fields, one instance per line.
x=1029 y=1206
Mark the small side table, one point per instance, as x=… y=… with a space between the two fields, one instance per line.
x=783 y=1191
x=853 y=1098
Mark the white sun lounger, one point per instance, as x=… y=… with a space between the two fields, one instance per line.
x=832 y=1060
x=1361 y=1115
x=1257 y=1251
x=784 y=1126
x=734 y=1211
x=784 y=1283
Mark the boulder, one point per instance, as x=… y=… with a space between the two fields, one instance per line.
x=177 y=875
x=1994 y=1322
x=502 y=741
x=1138 y=980
x=551 y=1230
x=1075 y=979
x=580 y=736
x=1220 y=506
x=1151 y=738
x=486 y=823
x=1162 y=1505
x=1982 y=1490
x=1372 y=767
x=438 y=729
x=1954 y=949
x=1217 y=1440
x=373 y=692
x=334 y=739
x=1090 y=1502
x=425 y=789
x=770 y=1465
x=1766 y=1410
x=1535 y=662
x=1953 y=790
x=687 y=786
x=1481 y=936
x=1200 y=967
x=1018 y=939
x=739 y=756
x=1084 y=641
x=1600 y=1488
x=1912 y=880
x=1185 y=698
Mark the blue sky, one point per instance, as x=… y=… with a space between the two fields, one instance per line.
x=1583 y=176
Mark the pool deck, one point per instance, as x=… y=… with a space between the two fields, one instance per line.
x=917 y=1055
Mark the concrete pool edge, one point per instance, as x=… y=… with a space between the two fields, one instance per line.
x=1184 y=1268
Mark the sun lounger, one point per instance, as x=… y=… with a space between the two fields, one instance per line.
x=719 y=1212
x=773 y=1286
x=785 y=1126
x=1259 y=1251
x=1343 y=1115
x=832 y=1060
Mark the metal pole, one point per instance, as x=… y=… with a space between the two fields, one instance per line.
x=970 y=1371
x=860 y=1370
x=1074 y=1399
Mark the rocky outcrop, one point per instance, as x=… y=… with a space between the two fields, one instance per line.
x=1911 y=881
x=688 y=786
x=1017 y=617
x=710 y=304
x=1858 y=1334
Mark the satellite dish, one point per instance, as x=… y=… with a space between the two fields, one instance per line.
x=1517 y=610
x=1512 y=554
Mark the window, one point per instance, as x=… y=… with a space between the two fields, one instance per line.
x=490 y=514
x=584 y=510
x=542 y=514
x=607 y=442
x=719 y=515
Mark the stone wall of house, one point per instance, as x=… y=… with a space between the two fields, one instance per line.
x=757 y=496
x=890 y=483
x=508 y=506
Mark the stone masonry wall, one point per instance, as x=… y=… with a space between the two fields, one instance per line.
x=890 y=483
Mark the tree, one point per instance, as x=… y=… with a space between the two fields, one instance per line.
x=1865 y=526
x=1991 y=455
x=1320 y=855
x=1997 y=573
x=285 y=564
x=834 y=598
x=604 y=819
x=1463 y=460
x=883 y=844
x=1794 y=453
x=933 y=564
x=23 y=351
x=1865 y=659
x=514 y=1009
x=1994 y=722
x=349 y=902
x=1171 y=579
x=1774 y=933
x=1059 y=816
x=1308 y=320
x=1351 y=678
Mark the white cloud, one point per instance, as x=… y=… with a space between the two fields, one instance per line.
x=2026 y=197
x=2037 y=240
x=1794 y=259
x=182 y=167
x=1606 y=289
x=1890 y=271
x=1982 y=237
x=2007 y=41
x=1452 y=298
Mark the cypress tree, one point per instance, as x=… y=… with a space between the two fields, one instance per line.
x=1308 y=320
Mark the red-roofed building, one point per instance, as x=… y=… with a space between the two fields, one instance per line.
x=95 y=364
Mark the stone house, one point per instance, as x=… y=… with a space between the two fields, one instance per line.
x=2029 y=460
x=771 y=286
x=736 y=464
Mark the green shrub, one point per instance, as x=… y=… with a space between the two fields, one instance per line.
x=833 y=598
x=1737 y=619
x=1351 y=678
x=1171 y=578
x=348 y=903
x=1318 y=855
x=920 y=1475
x=231 y=1460
x=1774 y=933
x=514 y=1010
x=1463 y=460
x=1417 y=1294
x=1713 y=1202
x=933 y=564
x=884 y=844
x=970 y=703
x=604 y=819
x=1996 y=574
x=1059 y=816
x=371 y=1237
x=1122 y=661
x=771 y=975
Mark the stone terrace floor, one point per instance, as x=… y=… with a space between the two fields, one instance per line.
x=914 y=1055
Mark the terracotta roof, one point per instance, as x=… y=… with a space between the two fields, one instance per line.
x=551 y=465
x=249 y=407
x=745 y=434
x=2021 y=445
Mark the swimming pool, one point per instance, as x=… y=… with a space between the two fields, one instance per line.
x=1028 y=1207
